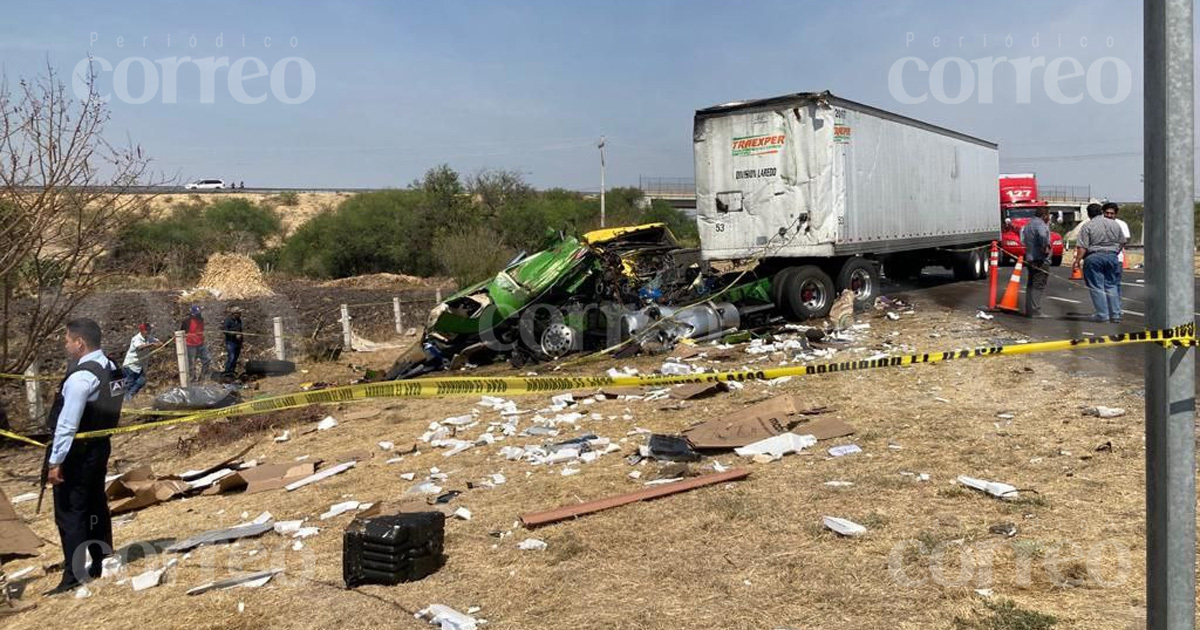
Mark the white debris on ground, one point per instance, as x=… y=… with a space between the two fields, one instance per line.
x=843 y=526
x=446 y=618
x=532 y=544
x=1104 y=412
x=328 y=423
x=994 y=488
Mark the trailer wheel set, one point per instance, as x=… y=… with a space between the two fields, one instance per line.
x=808 y=291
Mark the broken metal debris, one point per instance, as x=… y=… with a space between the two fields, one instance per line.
x=218 y=536
x=670 y=448
x=251 y=580
x=640 y=277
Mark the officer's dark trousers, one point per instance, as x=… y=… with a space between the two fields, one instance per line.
x=81 y=508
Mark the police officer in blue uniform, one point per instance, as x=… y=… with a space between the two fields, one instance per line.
x=89 y=400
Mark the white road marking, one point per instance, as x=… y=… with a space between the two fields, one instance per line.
x=1133 y=312
x=1051 y=297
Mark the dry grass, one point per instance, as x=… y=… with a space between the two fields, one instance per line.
x=744 y=555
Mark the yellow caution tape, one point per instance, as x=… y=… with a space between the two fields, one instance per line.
x=475 y=386
x=23 y=377
x=154 y=412
x=21 y=438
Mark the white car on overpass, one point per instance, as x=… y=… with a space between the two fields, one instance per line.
x=205 y=184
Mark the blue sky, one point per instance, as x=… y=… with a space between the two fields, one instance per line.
x=530 y=85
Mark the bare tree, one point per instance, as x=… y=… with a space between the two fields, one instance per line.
x=66 y=194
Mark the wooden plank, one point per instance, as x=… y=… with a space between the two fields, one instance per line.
x=535 y=519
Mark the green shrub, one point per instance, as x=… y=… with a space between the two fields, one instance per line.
x=473 y=255
x=386 y=231
x=238 y=226
x=178 y=244
x=289 y=199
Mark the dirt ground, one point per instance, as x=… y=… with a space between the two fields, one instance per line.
x=750 y=554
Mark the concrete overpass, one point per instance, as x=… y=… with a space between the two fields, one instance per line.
x=680 y=192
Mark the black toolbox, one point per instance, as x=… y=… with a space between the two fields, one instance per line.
x=393 y=549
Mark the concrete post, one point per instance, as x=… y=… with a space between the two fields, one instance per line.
x=1169 y=106
x=280 y=352
x=33 y=393
x=347 y=341
x=181 y=358
x=396 y=314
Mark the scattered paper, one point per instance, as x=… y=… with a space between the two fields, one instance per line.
x=843 y=450
x=463 y=513
x=328 y=423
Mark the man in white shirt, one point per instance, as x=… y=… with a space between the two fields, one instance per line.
x=135 y=372
x=89 y=400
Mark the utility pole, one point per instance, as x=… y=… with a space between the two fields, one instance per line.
x=601 y=147
x=1170 y=372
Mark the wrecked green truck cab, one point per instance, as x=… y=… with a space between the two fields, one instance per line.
x=581 y=293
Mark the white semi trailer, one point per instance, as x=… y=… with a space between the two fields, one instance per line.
x=822 y=191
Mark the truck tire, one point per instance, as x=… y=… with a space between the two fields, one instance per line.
x=1056 y=261
x=808 y=292
x=777 y=284
x=963 y=265
x=269 y=368
x=978 y=263
x=862 y=277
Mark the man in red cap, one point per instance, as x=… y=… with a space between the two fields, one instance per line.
x=135 y=372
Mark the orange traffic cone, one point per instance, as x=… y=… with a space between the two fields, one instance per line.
x=1077 y=273
x=1013 y=293
x=1124 y=260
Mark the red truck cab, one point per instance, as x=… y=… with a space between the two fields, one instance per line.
x=1018 y=204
